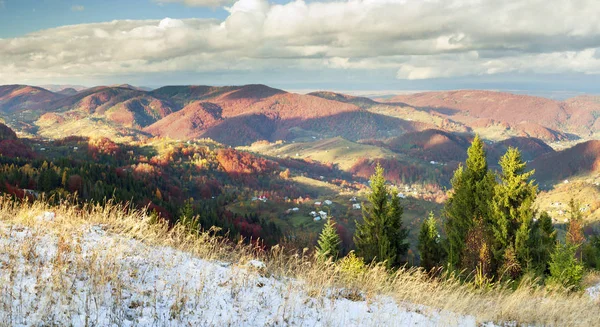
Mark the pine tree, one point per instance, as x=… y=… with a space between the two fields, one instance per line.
x=565 y=269
x=512 y=210
x=187 y=218
x=473 y=187
x=329 y=241
x=381 y=236
x=398 y=233
x=543 y=242
x=430 y=247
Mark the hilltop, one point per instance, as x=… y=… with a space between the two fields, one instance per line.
x=528 y=115
x=581 y=159
x=266 y=113
x=140 y=273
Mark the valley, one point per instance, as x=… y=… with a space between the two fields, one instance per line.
x=317 y=146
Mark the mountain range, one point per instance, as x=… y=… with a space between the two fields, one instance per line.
x=436 y=126
x=239 y=115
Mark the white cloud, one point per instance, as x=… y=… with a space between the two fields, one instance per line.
x=412 y=39
x=78 y=8
x=198 y=3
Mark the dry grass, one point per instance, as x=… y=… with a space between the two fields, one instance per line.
x=528 y=304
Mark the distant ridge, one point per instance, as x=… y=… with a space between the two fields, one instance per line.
x=253 y=112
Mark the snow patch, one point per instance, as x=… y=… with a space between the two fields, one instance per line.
x=145 y=285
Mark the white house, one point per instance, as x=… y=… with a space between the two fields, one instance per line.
x=401 y=195
x=313 y=213
x=328 y=202
x=317 y=203
x=323 y=214
x=317 y=218
x=353 y=199
x=356 y=206
x=295 y=209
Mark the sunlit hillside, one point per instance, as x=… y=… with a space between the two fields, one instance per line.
x=101 y=265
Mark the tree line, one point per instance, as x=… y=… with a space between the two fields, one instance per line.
x=491 y=230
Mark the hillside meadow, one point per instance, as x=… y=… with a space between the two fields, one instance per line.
x=91 y=264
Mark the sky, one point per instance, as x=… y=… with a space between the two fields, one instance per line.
x=525 y=45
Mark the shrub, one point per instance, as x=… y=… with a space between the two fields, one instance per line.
x=565 y=269
x=352 y=268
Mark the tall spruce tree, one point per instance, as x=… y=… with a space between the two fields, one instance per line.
x=512 y=210
x=542 y=242
x=381 y=236
x=473 y=187
x=329 y=242
x=548 y=237
x=430 y=247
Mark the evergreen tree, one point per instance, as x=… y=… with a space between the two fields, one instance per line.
x=187 y=218
x=543 y=242
x=430 y=248
x=512 y=209
x=381 y=236
x=565 y=269
x=398 y=234
x=329 y=241
x=473 y=187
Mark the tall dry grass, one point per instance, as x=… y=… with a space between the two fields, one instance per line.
x=528 y=304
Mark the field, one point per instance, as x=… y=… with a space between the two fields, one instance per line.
x=336 y=150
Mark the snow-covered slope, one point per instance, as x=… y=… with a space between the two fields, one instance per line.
x=94 y=278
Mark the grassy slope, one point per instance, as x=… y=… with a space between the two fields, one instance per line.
x=583 y=190
x=129 y=283
x=336 y=150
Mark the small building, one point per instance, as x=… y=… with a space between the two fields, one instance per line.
x=313 y=213
x=328 y=202
x=353 y=199
x=318 y=203
x=323 y=214
x=356 y=206
x=295 y=209
x=401 y=195
x=317 y=218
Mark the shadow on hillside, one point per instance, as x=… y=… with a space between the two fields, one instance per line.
x=254 y=91
x=447 y=111
x=354 y=126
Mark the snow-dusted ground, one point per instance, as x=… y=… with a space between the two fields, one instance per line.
x=593 y=292
x=99 y=279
